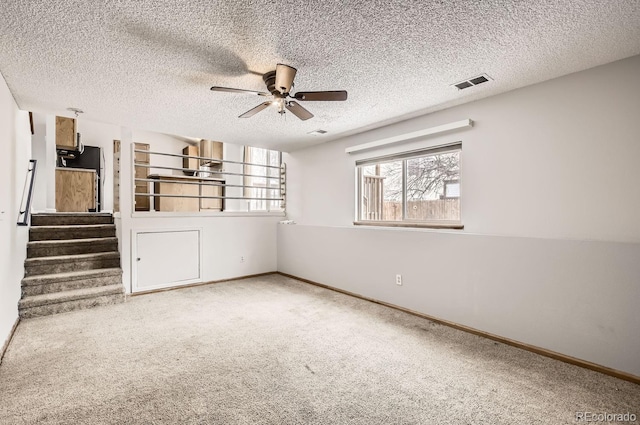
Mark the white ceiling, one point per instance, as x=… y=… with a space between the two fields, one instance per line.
x=149 y=64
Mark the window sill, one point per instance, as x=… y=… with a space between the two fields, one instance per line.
x=457 y=226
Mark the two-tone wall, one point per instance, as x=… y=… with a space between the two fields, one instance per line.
x=550 y=252
x=15 y=140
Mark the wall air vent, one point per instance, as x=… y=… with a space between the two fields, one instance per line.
x=472 y=82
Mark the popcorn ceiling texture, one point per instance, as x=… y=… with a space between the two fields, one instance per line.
x=149 y=64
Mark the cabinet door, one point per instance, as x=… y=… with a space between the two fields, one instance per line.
x=75 y=190
x=157 y=265
x=142 y=201
x=212 y=150
x=65 y=133
x=211 y=204
x=162 y=203
x=190 y=163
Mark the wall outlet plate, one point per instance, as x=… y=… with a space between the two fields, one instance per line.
x=398 y=279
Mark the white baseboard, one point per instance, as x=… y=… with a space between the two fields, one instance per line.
x=9 y=338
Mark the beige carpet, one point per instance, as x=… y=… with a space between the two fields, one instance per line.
x=274 y=350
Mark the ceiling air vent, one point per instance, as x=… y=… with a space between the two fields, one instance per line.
x=472 y=82
x=463 y=85
x=317 y=132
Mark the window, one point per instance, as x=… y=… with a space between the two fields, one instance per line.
x=262 y=184
x=420 y=188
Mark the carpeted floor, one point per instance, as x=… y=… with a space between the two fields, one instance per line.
x=273 y=350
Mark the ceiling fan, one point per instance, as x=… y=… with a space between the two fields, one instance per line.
x=279 y=84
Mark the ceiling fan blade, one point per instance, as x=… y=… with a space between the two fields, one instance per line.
x=231 y=90
x=298 y=110
x=321 y=95
x=252 y=112
x=284 y=78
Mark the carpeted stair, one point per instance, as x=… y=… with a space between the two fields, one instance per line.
x=72 y=263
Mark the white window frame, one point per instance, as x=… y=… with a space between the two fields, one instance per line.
x=404 y=157
x=271 y=188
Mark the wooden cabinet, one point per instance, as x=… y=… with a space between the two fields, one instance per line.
x=162 y=203
x=209 y=190
x=190 y=163
x=65 y=133
x=210 y=153
x=212 y=150
x=75 y=190
x=185 y=186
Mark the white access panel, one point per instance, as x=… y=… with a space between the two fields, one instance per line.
x=163 y=259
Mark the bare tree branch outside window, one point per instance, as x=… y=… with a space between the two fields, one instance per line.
x=424 y=195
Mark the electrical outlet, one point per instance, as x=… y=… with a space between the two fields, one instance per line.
x=242 y=259
x=398 y=279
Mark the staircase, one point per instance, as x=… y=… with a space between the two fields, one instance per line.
x=72 y=263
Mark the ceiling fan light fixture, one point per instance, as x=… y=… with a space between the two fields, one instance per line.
x=279 y=83
x=279 y=104
x=284 y=77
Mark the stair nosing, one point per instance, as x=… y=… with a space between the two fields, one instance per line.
x=45 y=279
x=70 y=257
x=27 y=313
x=72 y=214
x=106 y=239
x=73 y=226
x=32 y=301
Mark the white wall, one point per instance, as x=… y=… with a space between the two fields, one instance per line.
x=224 y=241
x=225 y=238
x=48 y=169
x=554 y=160
x=162 y=143
x=101 y=135
x=39 y=153
x=15 y=136
x=549 y=251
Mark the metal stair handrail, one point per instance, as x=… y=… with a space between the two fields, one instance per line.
x=25 y=213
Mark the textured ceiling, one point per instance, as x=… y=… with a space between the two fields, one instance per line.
x=149 y=64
